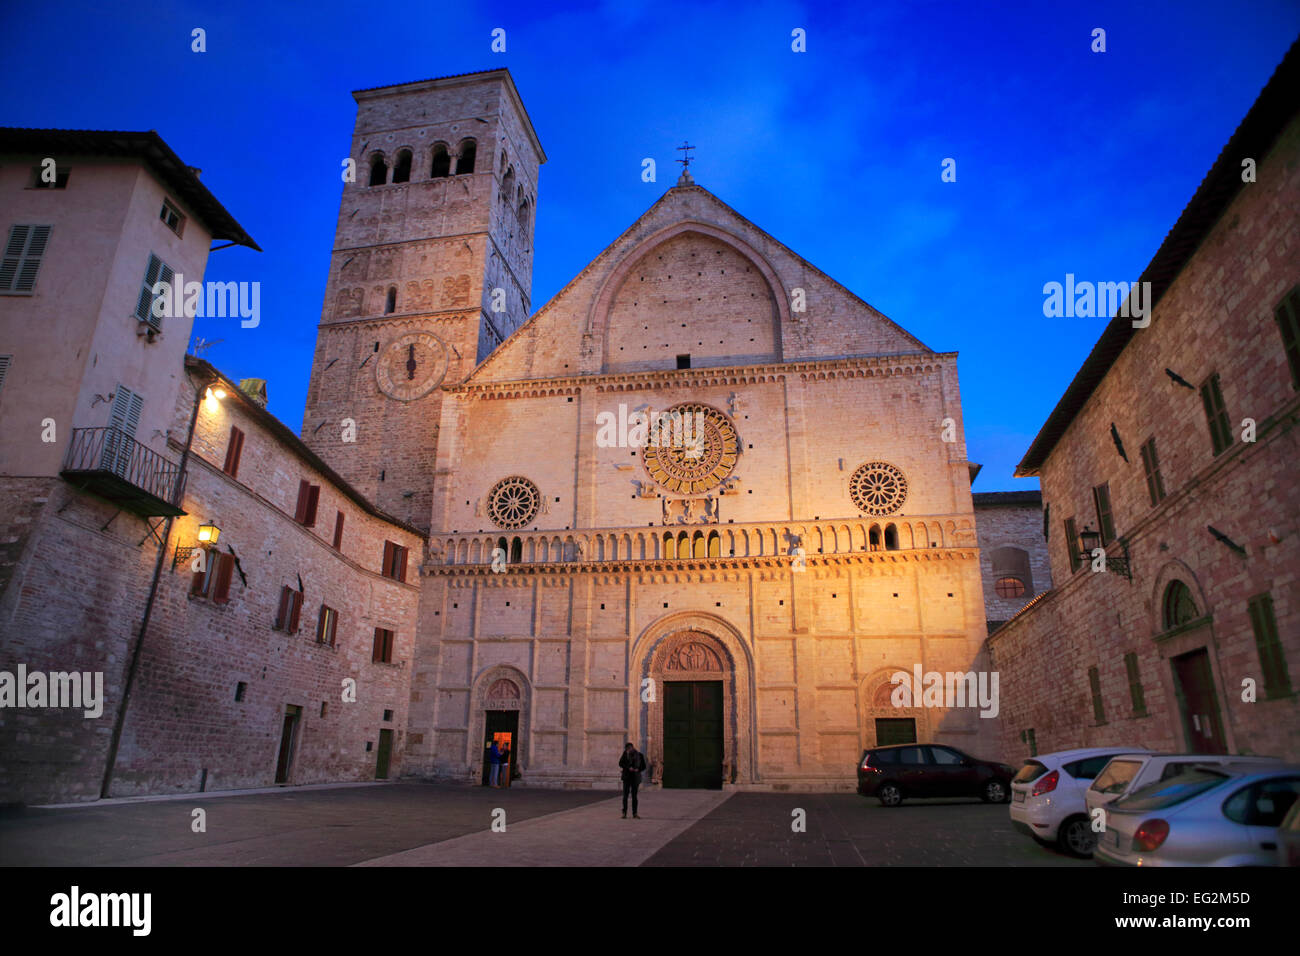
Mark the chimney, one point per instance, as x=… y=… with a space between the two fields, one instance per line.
x=254 y=388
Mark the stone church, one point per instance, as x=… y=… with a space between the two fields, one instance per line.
x=735 y=603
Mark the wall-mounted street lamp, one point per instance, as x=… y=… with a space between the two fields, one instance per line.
x=208 y=535
x=1090 y=541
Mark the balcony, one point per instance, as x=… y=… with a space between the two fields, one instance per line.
x=113 y=465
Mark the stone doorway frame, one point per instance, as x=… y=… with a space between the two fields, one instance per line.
x=479 y=707
x=723 y=655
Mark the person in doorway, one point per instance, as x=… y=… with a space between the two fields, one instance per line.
x=494 y=760
x=631 y=763
x=505 y=765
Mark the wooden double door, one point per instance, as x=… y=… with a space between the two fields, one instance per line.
x=693 y=722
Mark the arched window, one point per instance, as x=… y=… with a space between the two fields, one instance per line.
x=700 y=547
x=683 y=545
x=402 y=170
x=378 y=170
x=1012 y=565
x=523 y=217
x=465 y=157
x=891 y=537
x=715 y=545
x=503 y=159
x=516 y=551
x=441 y=161
x=1179 y=605
x=390 y=303
x=1009 y=587
x=873 y=537
x=670 y=545
x=508 y=187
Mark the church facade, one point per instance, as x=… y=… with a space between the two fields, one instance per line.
x=732 y=594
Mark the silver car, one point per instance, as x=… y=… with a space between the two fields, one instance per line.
x=1133 y=771
x=1210 y=816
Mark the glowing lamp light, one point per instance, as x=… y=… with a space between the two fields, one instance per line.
x=213 y=397
x=209 y=533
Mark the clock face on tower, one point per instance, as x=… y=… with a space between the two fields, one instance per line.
x=411 y=366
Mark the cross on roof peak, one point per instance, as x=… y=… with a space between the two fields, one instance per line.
x=685 y=149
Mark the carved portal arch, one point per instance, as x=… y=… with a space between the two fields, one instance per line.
x=695 y=647
x=876 y=701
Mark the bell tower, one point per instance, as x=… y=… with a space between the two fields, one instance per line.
x=431 y=269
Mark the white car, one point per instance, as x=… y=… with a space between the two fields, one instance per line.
x=1129 y=772
x=1047 y=796
x=1225 y=815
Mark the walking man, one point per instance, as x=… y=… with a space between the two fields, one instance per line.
x=631 y=763
x=494 y=759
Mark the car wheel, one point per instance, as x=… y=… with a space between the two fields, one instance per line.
x=889 y=795
x=1076 y=837
x=995 y=791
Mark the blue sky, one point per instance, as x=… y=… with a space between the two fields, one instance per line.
x=1067 y=160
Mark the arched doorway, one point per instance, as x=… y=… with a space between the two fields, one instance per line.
x=691 y=713
x=500 y=714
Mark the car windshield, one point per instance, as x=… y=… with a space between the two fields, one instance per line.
x=1171 y=792
x=1032 y=770
x=1116 y=776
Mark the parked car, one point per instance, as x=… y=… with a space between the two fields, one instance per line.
x=1288 y=838
x=930 y=770
x=1225 y=815
x=1047 y=796
x=1133 y=771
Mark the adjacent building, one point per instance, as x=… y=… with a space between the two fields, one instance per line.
x=1168 y=474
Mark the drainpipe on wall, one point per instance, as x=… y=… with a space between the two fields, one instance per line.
x=120 y=719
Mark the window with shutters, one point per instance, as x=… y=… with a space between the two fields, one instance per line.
x=123 y=420
x=338 y=531
x=22 y=258
x=1105 y=521
x=1072 y=545
x=4 y=368
x=1272 y=660
x=1135 y=685
x=286 y=616
x=1216 y=414
x=394 y=561
x=308 y=497
x=157 y=271
x=172 y=217
x=213 y=582
x=383 y=649
x=1151 y=466
x=326 y=625
x=233 y=451
x=1288 y=323
x=1098 y=708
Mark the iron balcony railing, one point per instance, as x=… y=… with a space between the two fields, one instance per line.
x=113 y=465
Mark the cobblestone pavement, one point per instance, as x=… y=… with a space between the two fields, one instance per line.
x=413 y=824
x=754 y=829
x=334 y=826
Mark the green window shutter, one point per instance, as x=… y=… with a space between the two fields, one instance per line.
x=1135 y=684
x=1098 y=709
x=1272 y=659
x=22 y=257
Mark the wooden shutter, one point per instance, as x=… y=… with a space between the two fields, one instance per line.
x=233 y=452
x=1288 y=323
x=295 y=610
x=1105 y=521
x=123 y=415
x=377 y=650
x=338 y=531
x=225 y=567
x=387 y=569
x=22 y=257
x=4 y=368
x=308 y=497
x=399 y=559
x=199 y=586
x=1072 y=545
x=282 y=613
